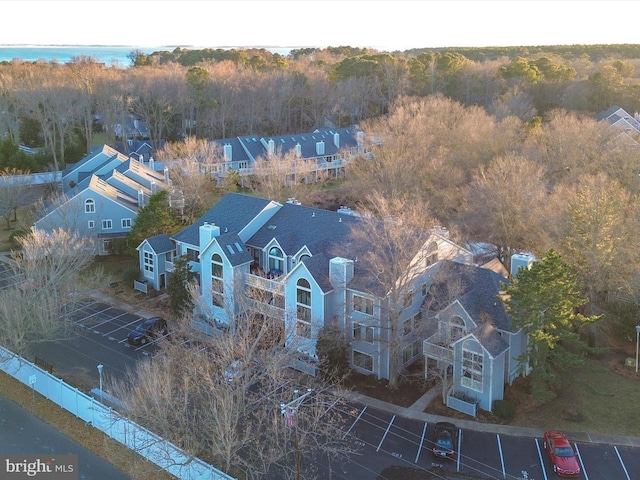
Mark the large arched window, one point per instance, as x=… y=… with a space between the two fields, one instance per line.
x=89 y=206
x=432 y=254
x=472 y=367
x=303 y=308
x=276 y=263
x=217 y=280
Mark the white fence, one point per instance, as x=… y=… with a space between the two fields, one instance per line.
x=149 y=445
x=463 y=406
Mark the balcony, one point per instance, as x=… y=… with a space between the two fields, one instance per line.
x=267 y=310
x=262 y=283
x=437 y=348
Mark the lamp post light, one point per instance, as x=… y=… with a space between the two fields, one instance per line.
x=100 y=367
x=637 y=341
x=289 y=412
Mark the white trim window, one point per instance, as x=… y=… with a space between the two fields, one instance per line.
x=363 y=332
x=89 y=205
x=362 y=360
x=432 y=254
x=303 y=308
x=217 y=280
x=148 y=263
x=91 y=224
x=472 y=369
x=362 y=304
x=276 y=260
x=126 y=223
x=411 y=351
x=107 y=224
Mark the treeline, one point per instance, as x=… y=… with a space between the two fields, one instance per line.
x=219 y=93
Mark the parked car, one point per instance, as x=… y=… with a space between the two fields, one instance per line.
x=562 y=455
x=148 y=330
x=445 y=440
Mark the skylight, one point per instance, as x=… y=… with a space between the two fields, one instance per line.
x=230 y=248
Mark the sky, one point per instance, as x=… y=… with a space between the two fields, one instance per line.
x=381 y=24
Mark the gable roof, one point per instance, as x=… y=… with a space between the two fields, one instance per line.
x=233 y=248
x=232 y=213
x=160 y=243
x=475 y=288
x=488 y=336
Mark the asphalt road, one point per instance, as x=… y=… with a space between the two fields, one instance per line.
x=24 y=434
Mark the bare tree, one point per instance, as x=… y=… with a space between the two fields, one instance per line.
x=282 y=174
x=12 y=187
x=221 y=398
x=392 y=254
x=51 y=276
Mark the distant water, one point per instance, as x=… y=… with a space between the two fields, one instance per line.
x=112 y=56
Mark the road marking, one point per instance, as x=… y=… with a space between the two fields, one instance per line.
x=354 y=423
x=504 y=473
x=581 y=464
x=622 y=463
x=385 y=433
x=544 y=471
x=424 y=431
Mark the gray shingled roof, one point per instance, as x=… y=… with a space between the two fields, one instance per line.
x=490 y=339
x=234 y=249
x=318 y=266
x=474 y=287
x=160 y=243
x=232 y=213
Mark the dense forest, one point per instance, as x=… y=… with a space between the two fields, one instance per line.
x=217 y=93
x=499 y=145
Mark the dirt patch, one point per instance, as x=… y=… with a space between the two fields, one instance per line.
x=411 y=386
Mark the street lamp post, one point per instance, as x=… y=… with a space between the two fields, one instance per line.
x=637 y=341
x=100 y=367
x=289 y=412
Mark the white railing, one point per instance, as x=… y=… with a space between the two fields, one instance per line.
x=142 y=441
x=434 y=347
x=262 y=283
x=465 y=406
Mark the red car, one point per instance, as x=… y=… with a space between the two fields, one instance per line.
x=562 y=456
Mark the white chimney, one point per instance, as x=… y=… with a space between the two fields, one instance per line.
x=520 y=260
x=207 y=232
x=152 y=163
x=227 y=153
x=271 y=147
x=154 y=187
x=336 y=139
x=140 y=198
x=340 y=271
x=166 y=175
x=320 y=148
x=298 y=150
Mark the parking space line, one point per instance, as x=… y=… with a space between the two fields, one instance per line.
x=504 y=472
x=354 y=423
x=544 y=472
x=385 y=433
x=622 y=463
x=110 y=319
x=92 y=315
x=128 y=325
x=581 y=464
x=424 y=432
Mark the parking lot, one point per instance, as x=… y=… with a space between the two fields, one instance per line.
x=383 y=439
x=99 y=337
x=388 y=439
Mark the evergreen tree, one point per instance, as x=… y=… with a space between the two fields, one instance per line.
x=180 y=299
x=153 y=219
x=544 y=301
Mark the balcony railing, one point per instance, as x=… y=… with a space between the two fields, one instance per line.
x=435 y=347
x=262 y=283
x=266 y=309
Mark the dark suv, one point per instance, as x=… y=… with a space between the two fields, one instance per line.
x=445 y=440
x=147 y=330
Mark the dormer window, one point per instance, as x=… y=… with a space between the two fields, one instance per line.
x=276 y=262
x=432 y=254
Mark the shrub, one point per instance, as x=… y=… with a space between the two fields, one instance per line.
x=503 y=409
